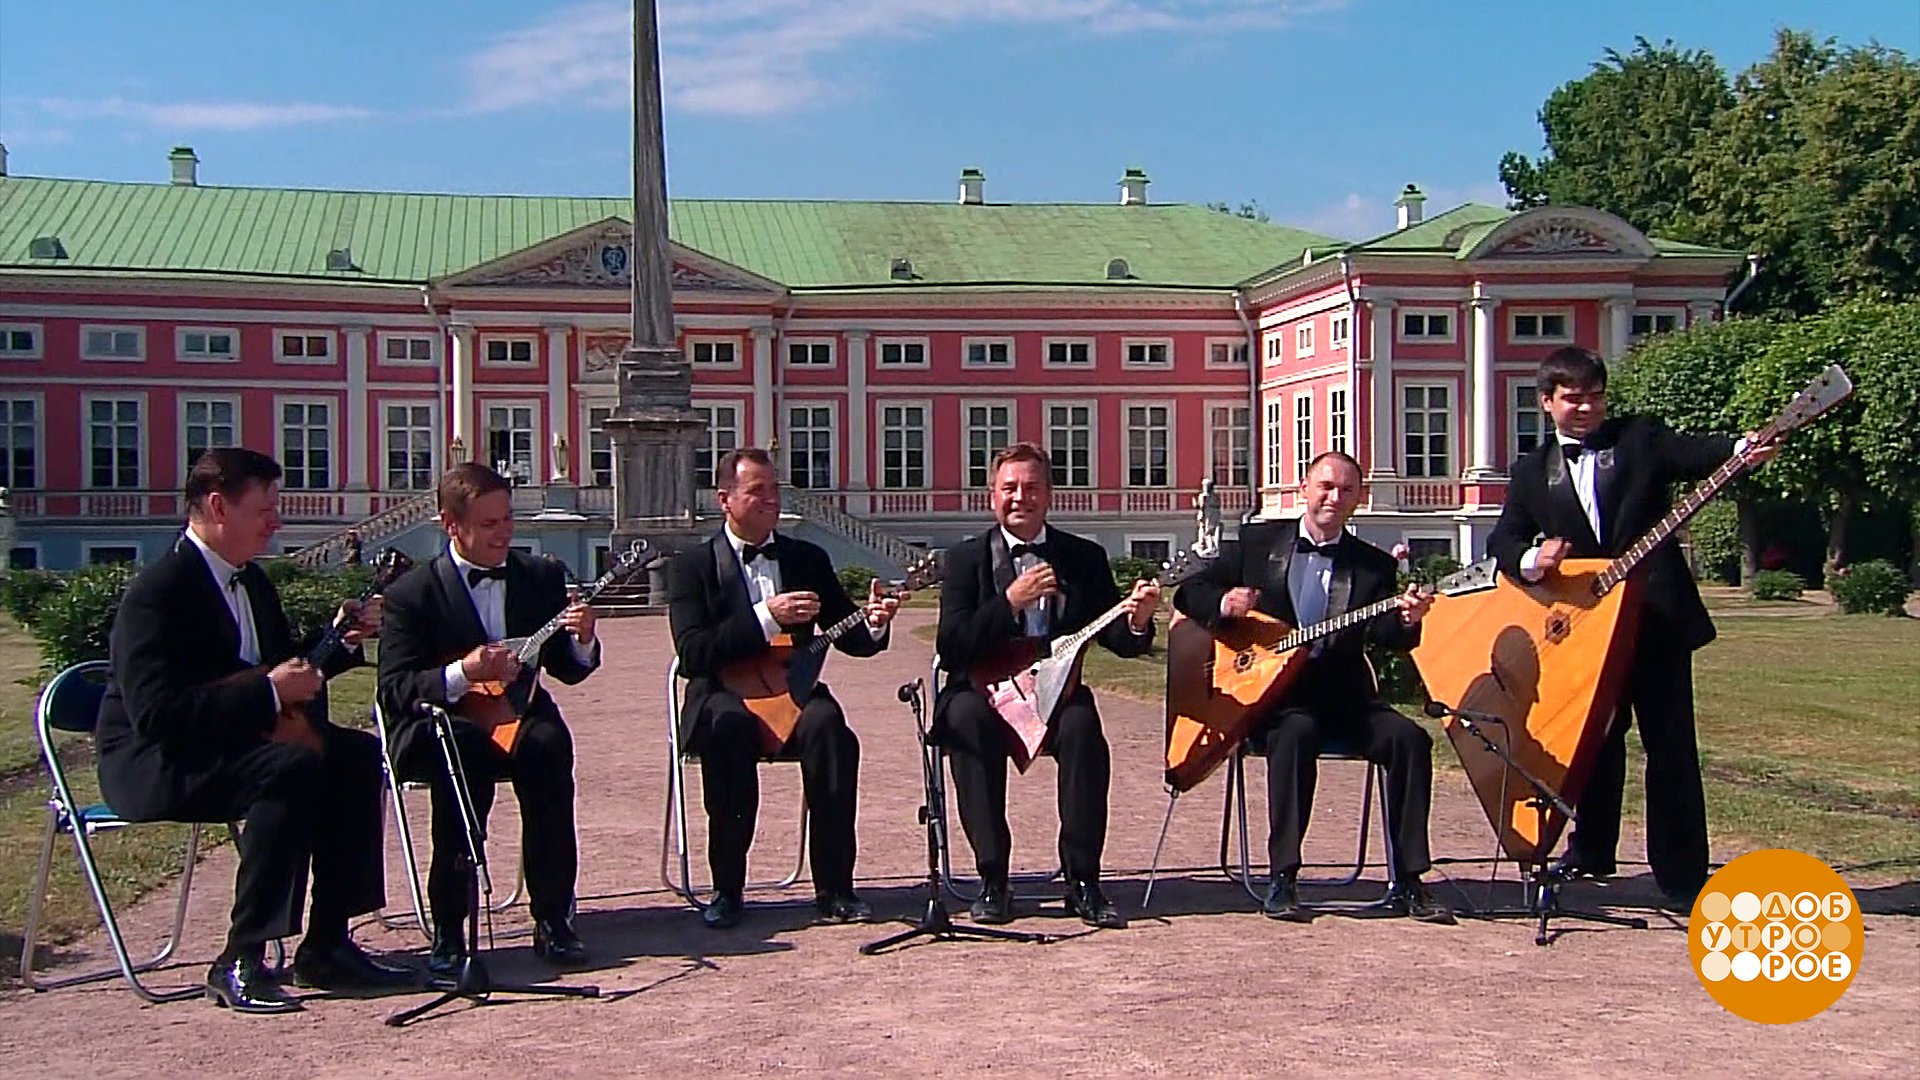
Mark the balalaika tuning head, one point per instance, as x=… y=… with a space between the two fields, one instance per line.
x=1829 y=388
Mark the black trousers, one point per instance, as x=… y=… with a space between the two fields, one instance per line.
x=977 y=742
x=727 y=741
x=296 y=808
x=1293 y=741
x=541 y=769
x=1659 y=696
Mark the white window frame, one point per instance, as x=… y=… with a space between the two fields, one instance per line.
x=1273 y=441
x=1173 y=543
x=587 y=407
x=39 y=553
x=39 y=440
x=1273 y=347
x=1408 y=536
x=335 y=419
x=88 y=547
x=1453 y=429
x=86 y=440
x=1303 y=340
x=836 y=448
x=1127 y=345
x=880 y=405
x=1653 y=311
x=1231 y=344
x=1339 y=330
x=741 y=410
x=1400 y=326
x=1301 y=458
x=33 y=352
x=1532 y=397
x=1046 y=353
x=1092 y=405
x=433 y=348
x=1127 y=405
x=1228 y=403
x=1340 y=420
x=281 y=333
x=1539 y=315
x=902 y=343
x=831 y=344
x=537 y=456
x=596 y=563
x=966 y=438
x=486 y=343
x=140 y=342
x=180 y=403
x=966 y=354
x=694 y=341
x=181 y=354
x=434 y=439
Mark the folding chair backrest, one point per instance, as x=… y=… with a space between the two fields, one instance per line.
x=71 y=702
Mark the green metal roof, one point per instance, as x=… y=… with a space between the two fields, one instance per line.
x=405 y=238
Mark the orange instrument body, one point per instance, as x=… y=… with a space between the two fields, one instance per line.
x=1219 y=685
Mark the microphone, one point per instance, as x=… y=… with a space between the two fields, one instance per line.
x=427 y=709
x=1439 y=709
x=911 y=691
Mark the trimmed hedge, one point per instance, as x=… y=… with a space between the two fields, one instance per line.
x=1777 y=585
x=1875 y=587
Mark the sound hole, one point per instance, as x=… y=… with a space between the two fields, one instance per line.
x=1557 y=626
x=1242 y=662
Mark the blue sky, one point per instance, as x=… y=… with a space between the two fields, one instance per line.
x=1318 y=109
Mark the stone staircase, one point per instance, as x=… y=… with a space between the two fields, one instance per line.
x=866 y=534
x=388 y=523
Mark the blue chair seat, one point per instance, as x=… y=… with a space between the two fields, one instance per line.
x=96 y=817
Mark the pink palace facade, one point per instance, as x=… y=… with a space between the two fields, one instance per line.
x=367 y=340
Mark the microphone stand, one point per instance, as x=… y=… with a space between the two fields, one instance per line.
x=1542 y=884
x=935 y=923
x=472 y=983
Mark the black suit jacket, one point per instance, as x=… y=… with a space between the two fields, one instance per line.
x=975 y=617
x=181 y=701
x=714 y=624
x=1632 y=484
x=1362 y=574
x=431 y=622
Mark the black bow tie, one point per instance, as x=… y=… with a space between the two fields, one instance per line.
x=1307 y=547
x=1038 y=551
x=233 y=580
x=750 y=552
x=478 y=574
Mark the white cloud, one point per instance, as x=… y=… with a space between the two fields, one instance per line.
x=759 y=57
x=1362 y=217
x=203 y=115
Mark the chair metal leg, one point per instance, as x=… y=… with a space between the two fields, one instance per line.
x=405 y=829
x=1235 y=815
x=967 y=889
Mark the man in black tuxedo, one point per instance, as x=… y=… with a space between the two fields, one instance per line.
x=1305 y=572
x=1023 y=578
x=1591 y=491
x=445 y=622
x=191 y=729
x=727 y=599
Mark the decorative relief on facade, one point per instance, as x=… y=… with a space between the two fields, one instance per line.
x=605 y=262
x=601 y=352
x=1558 y=237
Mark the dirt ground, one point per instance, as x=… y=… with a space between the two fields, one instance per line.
x=1200 y=984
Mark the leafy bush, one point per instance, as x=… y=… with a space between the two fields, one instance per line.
x=1429 y=569
x=1714 y=534
x=1777 y=585
x=856 y=580
x=1128 y=569
x=72 y=624
x=23 y=591
x=1876 y=587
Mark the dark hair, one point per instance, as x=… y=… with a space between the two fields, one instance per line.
x=465 y=482
x=728 y=468
x=1572 y=367
x=229 y=470
x=1023 y=451
x=1331 y=455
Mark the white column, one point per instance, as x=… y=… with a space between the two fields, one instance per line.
x=1480 y=392
x=462 y=379
x=1701 y=311
x=1619 y=311
x=559 y=403
x=859 y=454
x=1380 y=448
x=357 y=406
x=762 y=386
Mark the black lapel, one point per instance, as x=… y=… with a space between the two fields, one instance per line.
x=1279 y=564
x=516 y=611
x=458 y=601
x=1565 y=499
x=728 y=573
x=269 y=618
x=1606 y=486
x=200 y=580
x=1340 y=582
x=1000 y=570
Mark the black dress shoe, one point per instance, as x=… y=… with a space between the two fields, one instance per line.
x=1085 y=899
x=346 y=966
x=1410 y=897
x=1283 y=902
x=723 y=913
x=995 y=905
x=555 y=942
x=243 y=984
x=843 y=907
x=1571 y=867
x=448 y=955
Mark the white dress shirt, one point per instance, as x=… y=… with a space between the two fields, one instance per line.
x=763 y=584
x=1583 y=471
x=226 y=578
x=489 y=598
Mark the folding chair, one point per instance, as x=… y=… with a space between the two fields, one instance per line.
x=1235 y=814
x=964 y=889
x=397 y=788
x=71 y=704
x=674 y=842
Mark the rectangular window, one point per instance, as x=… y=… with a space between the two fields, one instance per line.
x=1429 y=325
x=810 y=354
x=1069 y=354
x=1302 y=434
x=1654 y=322
x=510 y=442
x=989 y=354
x=211 y=346
x=1539 y=326
x=723 y=437
x=1275 y=440
x=713 y=353
x=1337 y=420
x=989 y=430
x=903 y=354
x=113 y=343
x=113 y=442
x=1229 y=436
x=810 y=456
x=23 y=557
x=903 y=447
x=600 y=449
x=1340 y=330
x=407 y=349
x=19 y=443
x=1226 y=354
x=1070 y=445
x=19 y=341
x=1426 y=423
x=1303 y=340
x=111 y=554
x=1149 y=445
x=509 y=351
x=302 y=347
x=1150 y=354
x=1155 y=551
x=208 y=423
x=1275 y=351
x=306 y=445
x=409 y=446
x=1529 y=423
